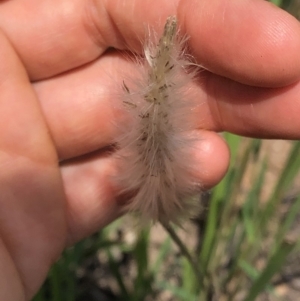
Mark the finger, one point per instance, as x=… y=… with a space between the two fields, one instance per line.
x=67 y=34
x=32 y=197
x=56 y=37
x=212 y=159
x=253 y=42
x=92 y=196
x=63 y=35
x=252 y=111
x=82 y=107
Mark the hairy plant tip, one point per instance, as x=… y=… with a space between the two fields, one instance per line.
x=156 y=151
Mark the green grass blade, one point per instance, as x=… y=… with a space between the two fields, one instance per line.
x=163 y=253
x=252 y=273
x=143 y=280
x=233 y=142
x=222 y=200
x=250 y=209
x=272 y=267
x=288 y=221
x=277 y=2
x=55 y=282
x=189 y=280
x=178 y=292
x=285 y=180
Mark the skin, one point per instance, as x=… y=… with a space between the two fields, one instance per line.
x=57 y=115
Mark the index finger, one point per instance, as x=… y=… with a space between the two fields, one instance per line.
x=61 y=35
x=248 y=41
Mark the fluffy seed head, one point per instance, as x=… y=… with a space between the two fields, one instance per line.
x=156 y=151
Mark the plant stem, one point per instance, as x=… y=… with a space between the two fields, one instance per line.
x=185 y=252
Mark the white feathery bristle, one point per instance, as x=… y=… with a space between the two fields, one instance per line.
x=156 y=150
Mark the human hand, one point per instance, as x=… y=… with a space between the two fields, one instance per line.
x=55 y=106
